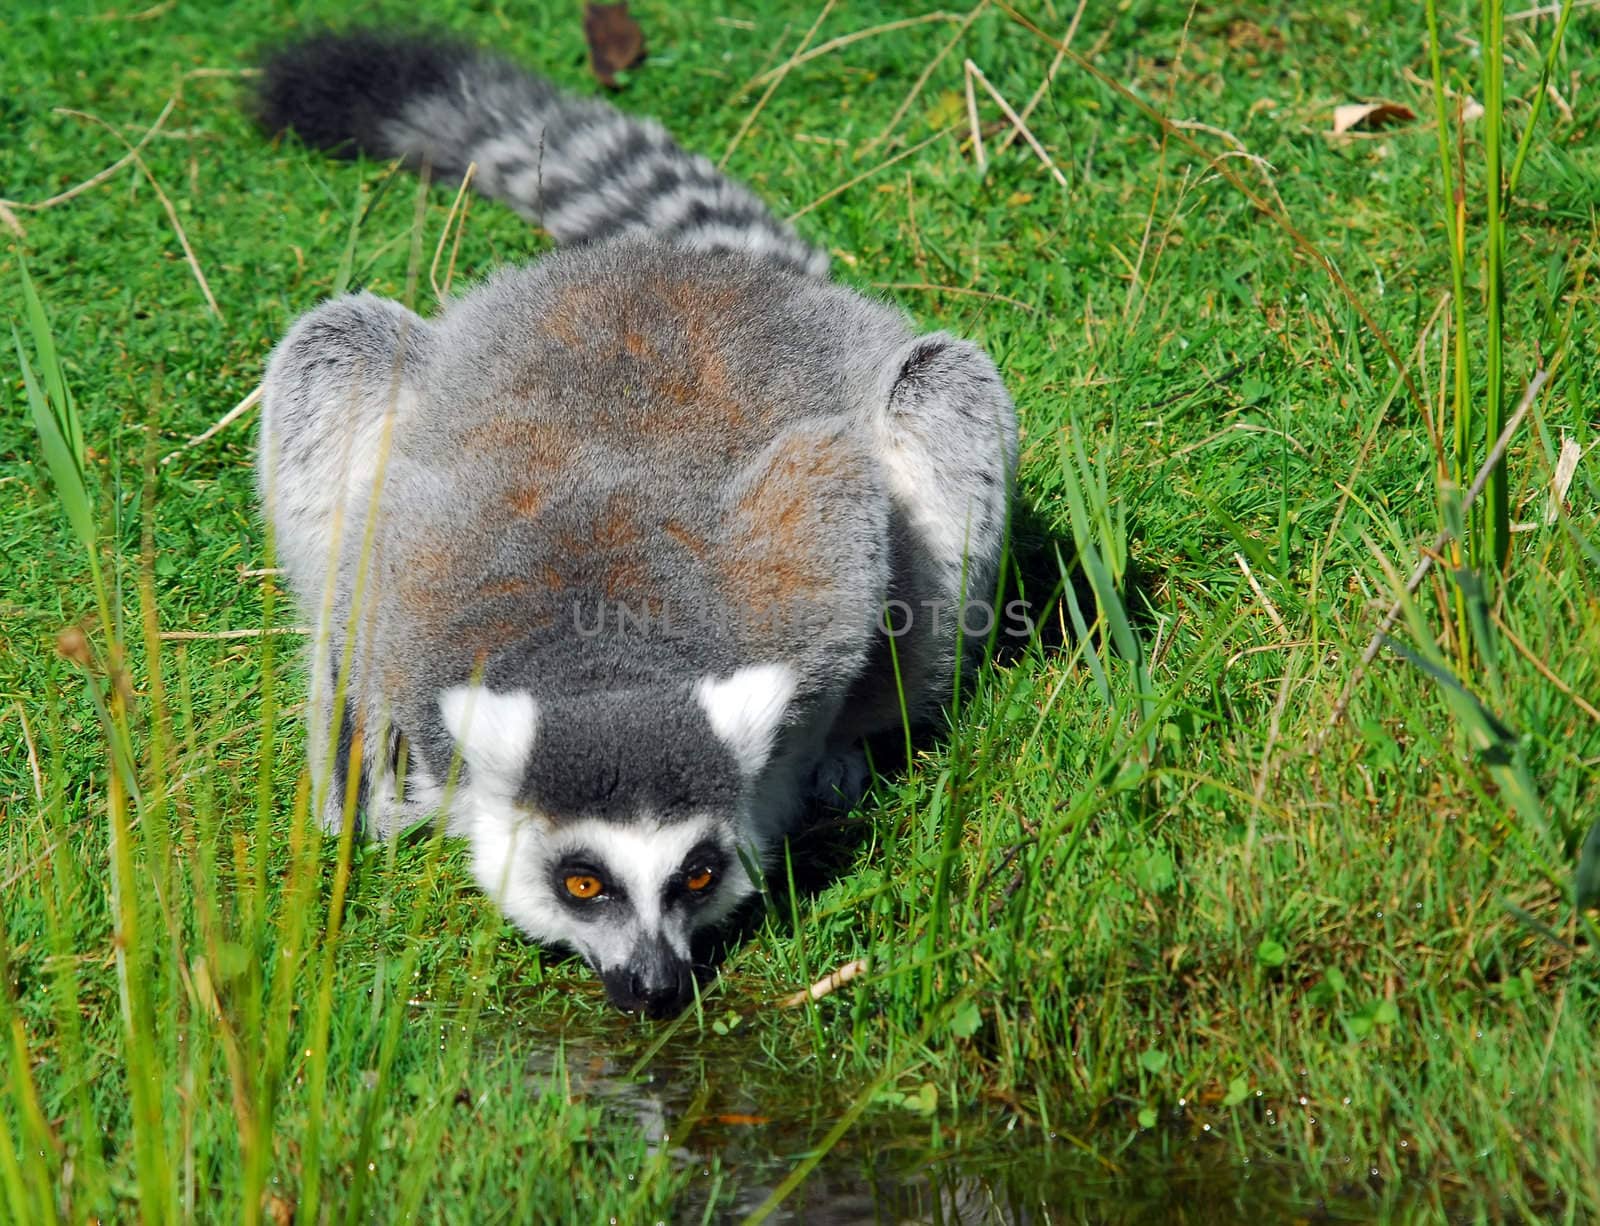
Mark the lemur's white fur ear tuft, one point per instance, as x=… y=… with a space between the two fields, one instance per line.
x=746 y=709
x=494 y=732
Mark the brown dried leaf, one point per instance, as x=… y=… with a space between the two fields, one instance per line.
x=1370 y=116
x=73 y=643
x=615 y=40
x=1561 y=479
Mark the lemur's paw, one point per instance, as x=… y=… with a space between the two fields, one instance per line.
x=840 y=779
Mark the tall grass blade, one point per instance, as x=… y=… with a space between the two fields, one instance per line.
x=60 y=432
x=1455 y=220
x=1083 y=631
x=50 y=367
x=54 y=426
x=18 y=1208
x=1099 y=534
x=28 y=1180
x=1586 y=881
x=1495 y=551
x=378 y=1093
x=1500 y=748
x=144 y=1068
x=317 y=1063
x=66 y=985
x=345 y=273
x=1536 y=109
x=1473 y=597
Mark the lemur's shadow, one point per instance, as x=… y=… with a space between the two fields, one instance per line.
x=1033 y=617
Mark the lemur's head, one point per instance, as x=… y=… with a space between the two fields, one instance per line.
x=621 y=823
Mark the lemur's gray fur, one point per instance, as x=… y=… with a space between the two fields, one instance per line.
x=618 y=529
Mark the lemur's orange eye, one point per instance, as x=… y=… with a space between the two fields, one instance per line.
x=698 y=880
x=583 y=885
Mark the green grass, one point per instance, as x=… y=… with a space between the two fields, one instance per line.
x=1146 y=933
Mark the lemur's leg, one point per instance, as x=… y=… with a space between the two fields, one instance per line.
x=400 y=791
x=329 y=399
x=946 y=436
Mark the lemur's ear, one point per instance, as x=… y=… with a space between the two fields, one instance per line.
x=332 y=382
x=947 y=435
x=495 y=733
x=940 y=367
x=359 y=345
x=746 y=710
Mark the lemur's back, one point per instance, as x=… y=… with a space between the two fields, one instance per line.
x=622 y=467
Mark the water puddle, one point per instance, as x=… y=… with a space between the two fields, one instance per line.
x=724 y=1111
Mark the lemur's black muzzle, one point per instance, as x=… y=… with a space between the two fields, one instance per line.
x=654 y=980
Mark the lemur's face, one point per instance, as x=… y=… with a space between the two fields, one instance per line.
x=629 y=897
x=630 y=891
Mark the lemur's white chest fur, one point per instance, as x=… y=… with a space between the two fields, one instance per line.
x=611 y=538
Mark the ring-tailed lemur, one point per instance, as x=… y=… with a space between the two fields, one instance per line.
x=618 y=530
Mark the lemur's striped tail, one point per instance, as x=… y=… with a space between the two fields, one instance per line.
x=576 y=166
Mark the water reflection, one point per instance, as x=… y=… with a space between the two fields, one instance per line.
x=723 y=1112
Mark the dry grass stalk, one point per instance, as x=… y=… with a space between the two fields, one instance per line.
x=1250 y=578
x=38 y=206
x=867 y=174
x=781 y=71
x=972 y=71
x=844 y=40
x=929 y=287
x=828 y=984
x=1050 y=74
x=922 y=79
x=166 y=203
x=215 y=636
x=226 y=420
x=972 y=121
x=458 y=207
